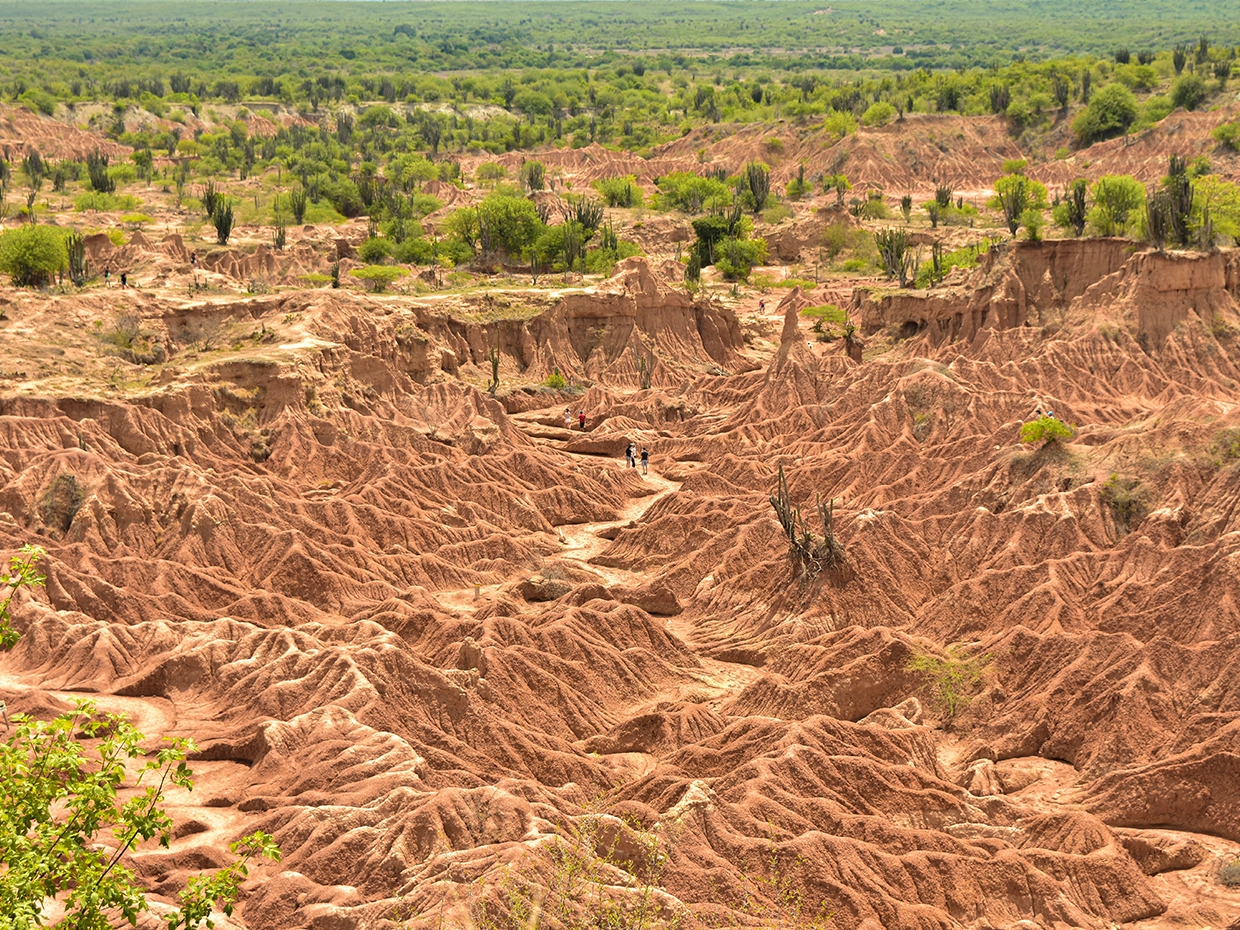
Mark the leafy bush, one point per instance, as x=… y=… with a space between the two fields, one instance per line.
x=379 y=277
x=959 y=258
x=1046 y=430
x=735 y=257
x=879 y=114
x=555 y=381
x=603 y=260
x=1118 y=200
x=33 y=255
x=374 y=250
x=620 y=192
x=97 y=202
x=823 y=315
x=840 y=123
x=1014 y=194
x=777 y=214
x=1110 y=112
x=1227 y=135
x=951 y=679
x=691 y=193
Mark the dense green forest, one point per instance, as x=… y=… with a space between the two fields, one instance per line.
x=499 y=76
x=271 y=49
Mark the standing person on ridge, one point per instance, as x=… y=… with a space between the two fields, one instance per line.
x=568 y=417
x=581 y=419
x=645 y=461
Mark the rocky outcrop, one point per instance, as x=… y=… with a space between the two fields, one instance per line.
x=1043 y=283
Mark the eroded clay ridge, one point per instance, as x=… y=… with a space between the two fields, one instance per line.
x=276 y=551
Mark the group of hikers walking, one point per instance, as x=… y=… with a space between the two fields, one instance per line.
x=631 y=455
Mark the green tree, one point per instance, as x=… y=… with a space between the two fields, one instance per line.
x=1118 y=200
x=33 y=255
x=508 y=223
x=1046 y=430
x=379 y=276
x=1110 y=112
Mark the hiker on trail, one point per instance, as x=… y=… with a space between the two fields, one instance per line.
x=193 y=257
x=630 y=455
x=645 y=461
x=568 y=417
x=107 y=276
x=124 y=279
x=1050 y=414
x=761 y=304
x=581 y=419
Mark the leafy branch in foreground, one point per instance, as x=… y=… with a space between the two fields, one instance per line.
x=22 y=574
x=811 y=553
x=60 y=800
x=60 y=804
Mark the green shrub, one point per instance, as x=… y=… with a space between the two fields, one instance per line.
x=374 y=250
x=1226 y=445
x=735 y=258
x=1229 y=873
x=1227 y=135
x=620 y=192
x=33 y=255
x=97 y=202
x=879 y=114
x=555 y=381
x=776 y=214
x=1118 y=201
x=1110 y=112
x=61 y=502
x=39 y=101
x=1046 y=430
x=951 y=679
x=840 y=123
x=379 y=277
x=691 y=193
x=1126 y=498
x=21 y=574
x=1189 y=91
x=959 y=258
x=81 y=793
x=603 y=261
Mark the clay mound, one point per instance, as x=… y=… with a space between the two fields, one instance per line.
x=22 y=131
